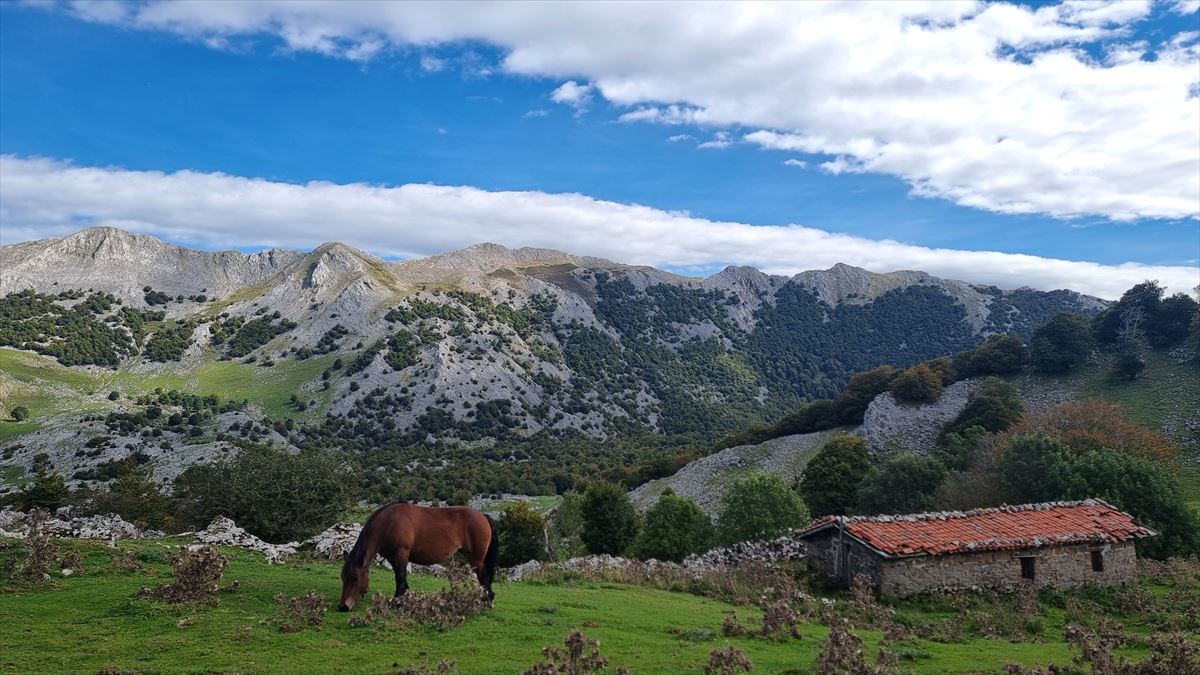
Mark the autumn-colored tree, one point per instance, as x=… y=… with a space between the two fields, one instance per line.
x=1089 y=425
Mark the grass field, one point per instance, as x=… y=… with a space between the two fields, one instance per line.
x=91 y=620
x=49 y=389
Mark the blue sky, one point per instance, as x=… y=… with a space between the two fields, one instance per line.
x=111 y=92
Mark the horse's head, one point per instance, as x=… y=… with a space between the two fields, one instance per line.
x=354 y=584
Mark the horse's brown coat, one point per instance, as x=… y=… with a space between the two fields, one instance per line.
x=404 y=533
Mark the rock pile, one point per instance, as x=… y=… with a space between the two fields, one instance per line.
x=225 y=532
x=109 y=527
x=890 y=426
x=776 y=550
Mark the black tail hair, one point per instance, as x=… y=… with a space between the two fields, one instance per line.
x=493 y=552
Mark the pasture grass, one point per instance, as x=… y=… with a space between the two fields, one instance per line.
x=91 y=620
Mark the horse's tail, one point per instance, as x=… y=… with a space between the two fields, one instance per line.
x=493 y=551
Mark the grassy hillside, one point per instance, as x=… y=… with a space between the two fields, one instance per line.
x=1165 y=398
x=91 y=620
x=49 y=389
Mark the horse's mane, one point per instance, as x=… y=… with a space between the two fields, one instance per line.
x=358 y=555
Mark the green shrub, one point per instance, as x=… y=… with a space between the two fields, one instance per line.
x=20 y=413
x=905 y=483
x=998 y=355
x=674 y=528
x=760 y=506
x=135 y=497
x=522 y=535
x=832 y=478
x=1061 y=343
x=47 y=491
x=919 y=384
x=609 y=519
x=270 y=492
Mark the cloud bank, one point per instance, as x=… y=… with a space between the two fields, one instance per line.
x=44 y=197
x=1056 y=110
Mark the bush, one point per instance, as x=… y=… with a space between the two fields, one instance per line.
x=760 y=506
x=905 y=483
x=135 y=497
x=1031 y=469
x=998 y=355
x=832 y=478
x=609 y=519
x=580 y=656
x=727 y=661
x=993 y=406
x=442 y=609
x=674 y=528
x=47 y=491
x=295 y=614
x=1061 y=343
x=522 y=535
x=20 y=413
x=270 y=492
x=197 y=577
x=919 y=384
x=1089 y=425
x=565 y=523
x=860 y=391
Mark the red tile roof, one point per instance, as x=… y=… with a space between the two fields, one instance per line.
x=1003 y=528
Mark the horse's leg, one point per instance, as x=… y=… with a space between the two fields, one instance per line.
x=399 y=561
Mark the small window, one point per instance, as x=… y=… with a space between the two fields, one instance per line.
x=1097 y=561
x=1027 y=568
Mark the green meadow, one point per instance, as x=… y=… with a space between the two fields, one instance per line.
x=91 y=620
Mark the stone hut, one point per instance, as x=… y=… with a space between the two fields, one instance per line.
x=1059 y=544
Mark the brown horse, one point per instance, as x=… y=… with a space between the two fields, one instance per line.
x=404 y=533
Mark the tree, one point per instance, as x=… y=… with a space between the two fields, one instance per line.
x=47 y=491
x=269 y=491
x=609 y=519
x=860 y=391
x=20 y=413
x=832 y=478
x=1130 y=345
x=135 y=497
x=565 y=523
x=674 y=528
x=760 y=506
x=1170 y=325
x=1090 y=425
x=1061 y=343
x=993 y=406
x=1145 y=489
x=905 y=483
x=999 y=355
x=919 y=384
x=522 y=535
x=1143 y=299
x=1031 y=469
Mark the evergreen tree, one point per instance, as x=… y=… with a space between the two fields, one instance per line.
x=919 y=384
x=609 y=519
x=1060 y=344
x=833 y=476
x=905 y=483
x=674 y=528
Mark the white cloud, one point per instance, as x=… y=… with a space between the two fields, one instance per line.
x=991 y=105
x=1186 y=7
x=798 y=163
x=572 y=93
x=44 y=197
x=536 y=113
x=719 y=141
x=679 y=137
